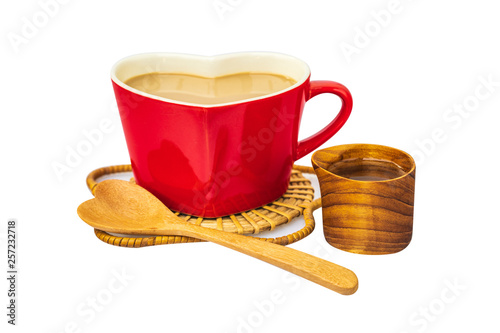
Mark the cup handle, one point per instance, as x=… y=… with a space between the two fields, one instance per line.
x=306 y=146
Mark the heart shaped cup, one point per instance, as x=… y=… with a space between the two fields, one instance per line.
x=219 y=159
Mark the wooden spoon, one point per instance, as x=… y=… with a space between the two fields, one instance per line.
x=122 y=207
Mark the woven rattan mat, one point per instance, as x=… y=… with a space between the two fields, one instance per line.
x=297 y=200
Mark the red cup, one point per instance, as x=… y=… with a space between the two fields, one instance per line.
x=221 y=159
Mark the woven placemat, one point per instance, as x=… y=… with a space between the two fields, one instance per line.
x=296 y=201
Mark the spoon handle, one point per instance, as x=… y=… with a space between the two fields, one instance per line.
x=322 y=272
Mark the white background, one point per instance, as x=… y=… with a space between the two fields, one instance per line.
x=428 y=57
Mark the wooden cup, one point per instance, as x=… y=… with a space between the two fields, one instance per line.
x=367 y=194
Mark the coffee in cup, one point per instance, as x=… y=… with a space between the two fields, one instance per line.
x=205 y=90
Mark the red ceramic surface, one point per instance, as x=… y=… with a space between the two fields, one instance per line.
x=216 y=160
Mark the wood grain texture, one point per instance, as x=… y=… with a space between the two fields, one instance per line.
x=125 y=208
x=360 y=216
x=298 y=199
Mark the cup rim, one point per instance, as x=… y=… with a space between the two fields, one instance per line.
x=354 y=145
x=220 y=57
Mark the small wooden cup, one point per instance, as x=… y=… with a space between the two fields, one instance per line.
x=367 y=193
